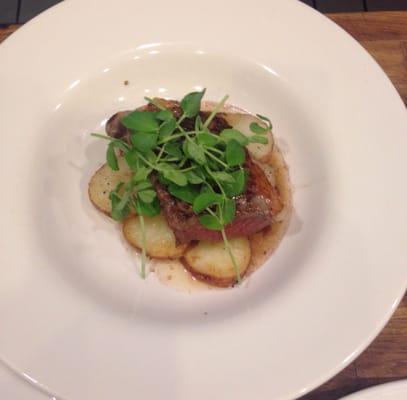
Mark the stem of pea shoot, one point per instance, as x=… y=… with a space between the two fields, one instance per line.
x=227 y=244
x=143 y=238
x=215 y=111
x=231 y=255
x=143 y=247
x=208 y=153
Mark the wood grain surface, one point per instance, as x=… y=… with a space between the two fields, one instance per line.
x=384 y=36
x=6 y=31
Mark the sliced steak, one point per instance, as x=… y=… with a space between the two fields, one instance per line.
x=254 y=209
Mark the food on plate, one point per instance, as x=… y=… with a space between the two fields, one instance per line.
x=197 y=182
x=159 y=239
x=104 y=181
x=211 y=262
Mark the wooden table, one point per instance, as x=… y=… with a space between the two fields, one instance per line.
x=384 y=35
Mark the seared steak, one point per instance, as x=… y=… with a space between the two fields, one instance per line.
x=255 y=208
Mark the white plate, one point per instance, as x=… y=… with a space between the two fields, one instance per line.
x=388 y=391
x=75 y=315
x=12 y=387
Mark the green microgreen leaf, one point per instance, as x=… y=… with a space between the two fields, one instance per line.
x=213 y=165
x=147 y=209
x=173 y=175
x=120 y=205
x=256 y=128
x=144 y=142
x=207 y=188
x=234 y=134
x=141 y=121
x=141 y=174
x=228 y=211
x=118 y=214
x=185 y=147
x=205 y=200
x=119 y=143
x=223 y=177
x=167 y=128
x=151 y=156
x=174 y=149
x=147 y=196
x=163 y=180
x=239 y=185
x=143 y=185
x=195 y=152
x=191 y=103
x=211 y=222
x=198 y=123
x=133 y=160
x=207 y=139
x=235 y=154
x=258 y=139
x=194 y=178
x=269 y=124
x=164 y=115
x=111 y=157
x=186 y=193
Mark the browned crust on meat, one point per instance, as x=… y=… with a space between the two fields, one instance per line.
x=259 y=184
x=254 y=209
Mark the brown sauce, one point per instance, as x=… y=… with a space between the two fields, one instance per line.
x=265 y=242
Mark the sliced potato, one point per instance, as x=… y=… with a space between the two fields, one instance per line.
x=103 y=181
x=211 y=262
x=242 y=123
x=160 y=239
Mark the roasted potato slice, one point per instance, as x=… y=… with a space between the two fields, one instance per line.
x=242 y=123
x=103 y=181
x=210 y=261
x=160 y=239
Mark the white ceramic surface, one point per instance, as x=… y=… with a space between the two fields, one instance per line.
x=13 y=387
x=388 y=391
x=75 y=315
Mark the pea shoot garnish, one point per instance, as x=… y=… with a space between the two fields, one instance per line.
x=204 y=169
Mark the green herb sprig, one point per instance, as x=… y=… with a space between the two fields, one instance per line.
x=199 y=167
